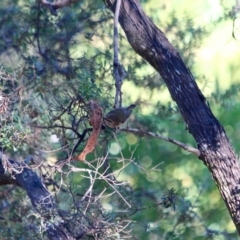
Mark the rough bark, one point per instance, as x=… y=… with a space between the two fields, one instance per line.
x=216 y=151
x=12 y=172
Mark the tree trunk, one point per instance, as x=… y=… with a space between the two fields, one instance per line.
x=216 y=151
x=13 y=172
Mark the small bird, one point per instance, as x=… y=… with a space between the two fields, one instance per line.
x=118 y=116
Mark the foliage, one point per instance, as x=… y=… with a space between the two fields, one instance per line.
x=135 y=187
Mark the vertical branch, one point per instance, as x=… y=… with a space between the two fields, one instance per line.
x=118 y=70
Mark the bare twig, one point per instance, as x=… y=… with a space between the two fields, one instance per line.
x=100 y=176
x=167 y=139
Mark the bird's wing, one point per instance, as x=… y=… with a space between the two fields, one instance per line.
x=117 y=115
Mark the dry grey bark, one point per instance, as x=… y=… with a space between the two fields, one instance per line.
x=12 y=172
x=215 y=149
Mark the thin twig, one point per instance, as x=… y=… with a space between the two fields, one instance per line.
x=101 y=176
x=159 y=136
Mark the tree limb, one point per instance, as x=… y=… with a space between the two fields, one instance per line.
x=167 y=139
x=12 y=172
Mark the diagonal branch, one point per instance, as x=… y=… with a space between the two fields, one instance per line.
x=19 y=174
x=167 y=139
